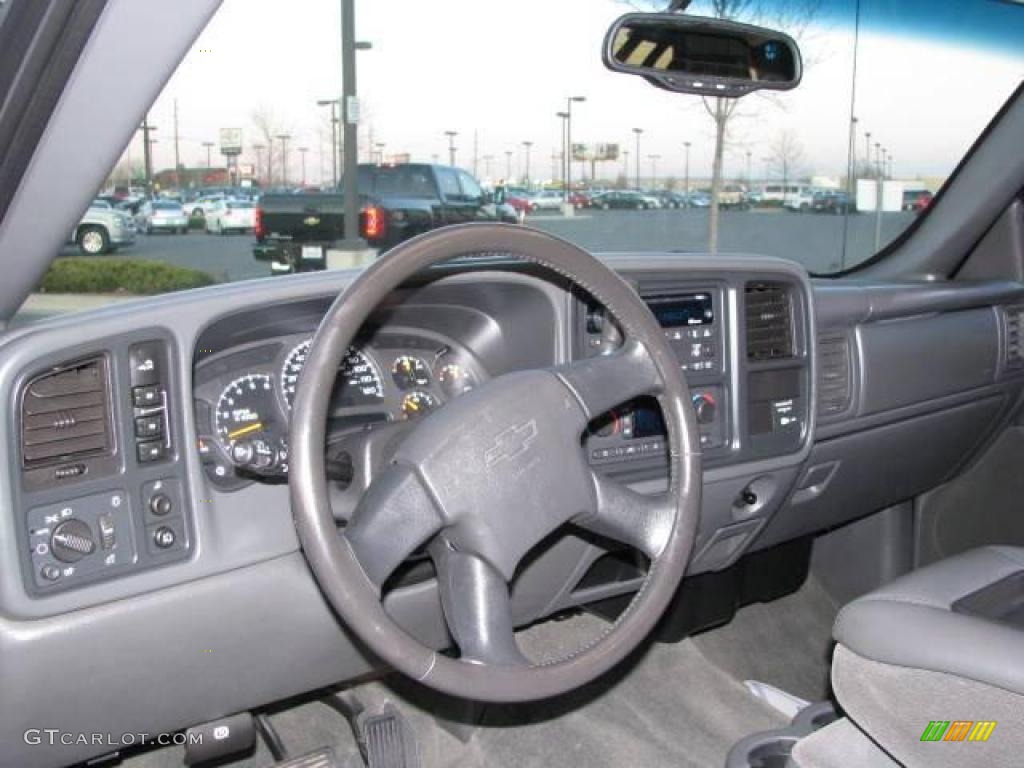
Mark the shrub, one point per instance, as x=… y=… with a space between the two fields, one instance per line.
x=132 y=276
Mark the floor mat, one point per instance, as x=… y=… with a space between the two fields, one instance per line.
x=681 y=705
x=787 y=642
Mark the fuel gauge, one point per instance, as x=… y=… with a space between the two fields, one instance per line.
x=417 y=404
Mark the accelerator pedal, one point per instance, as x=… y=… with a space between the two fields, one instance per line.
x=389 y=740
x=322 y=758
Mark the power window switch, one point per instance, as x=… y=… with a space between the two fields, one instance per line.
x=150 y=450
x=146 y=397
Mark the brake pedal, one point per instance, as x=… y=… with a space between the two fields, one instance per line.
x=389 y=740
x=322 y=758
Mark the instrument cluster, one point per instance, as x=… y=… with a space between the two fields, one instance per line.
x=244 y=396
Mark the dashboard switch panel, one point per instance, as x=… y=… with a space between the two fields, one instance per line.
x=81 y=538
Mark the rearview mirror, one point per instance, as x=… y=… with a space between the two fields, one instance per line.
x=705 y=56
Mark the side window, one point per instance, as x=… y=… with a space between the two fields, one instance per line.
x=470 y=189
x=449 y=184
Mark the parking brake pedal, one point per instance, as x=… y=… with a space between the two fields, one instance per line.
x=389 y=740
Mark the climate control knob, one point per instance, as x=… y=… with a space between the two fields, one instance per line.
x=72 y=540
x=704 y=406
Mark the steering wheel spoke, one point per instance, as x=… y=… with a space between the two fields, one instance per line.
x=632 y=518
x=475 y=600
x=600 y=383
x=394 y=517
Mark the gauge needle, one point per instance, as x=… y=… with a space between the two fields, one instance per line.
x=411 y=405
x=245 y=430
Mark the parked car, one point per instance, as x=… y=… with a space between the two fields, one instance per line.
x=652 y=199
x=519 y=200
x=733 y=196
x=799 y=200
x=547 y=200
x=103 y=229
x=201 y=206
x=162 y=216
x=228 y=216
x=670 y=199
x=831 y=201
x=699 y=200
x=396 y=202
x=916 y=199
x=620 y=198
x=580 y=199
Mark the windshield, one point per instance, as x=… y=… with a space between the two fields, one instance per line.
x=447 y=128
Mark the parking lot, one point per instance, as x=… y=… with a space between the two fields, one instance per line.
x=814 y=240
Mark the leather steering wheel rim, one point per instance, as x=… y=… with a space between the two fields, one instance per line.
x=330 y=554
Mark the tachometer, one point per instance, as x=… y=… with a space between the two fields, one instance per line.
x=245 y=408
x=358 y=379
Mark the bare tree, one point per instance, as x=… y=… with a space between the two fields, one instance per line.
x=787 y=154
x=268 y=127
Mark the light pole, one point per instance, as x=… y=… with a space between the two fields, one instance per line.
x=380 y=152
x=686 y=172
x=748 y=169
x=508 y=165
x=283 y=138
x=302 y=155
x=333 y=104
x=526 y=170
x=147 y=153
x=568 y=140
x=350 y=123
x=451 y=135
x=867 y=150
x=487 y=165
x=564 y=116
x=879 y=191
x=638 y=131
x=654 y=168
x=209 y=145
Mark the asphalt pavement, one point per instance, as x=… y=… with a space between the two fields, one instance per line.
x=815 y=240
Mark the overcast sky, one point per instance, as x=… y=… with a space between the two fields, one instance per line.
x=502 y=70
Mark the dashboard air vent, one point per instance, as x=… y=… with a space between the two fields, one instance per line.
x=64 y=415
x=1013 y=322
x=835 y=382
x=769 y=315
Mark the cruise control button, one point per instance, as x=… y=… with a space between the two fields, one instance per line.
x=164 y=537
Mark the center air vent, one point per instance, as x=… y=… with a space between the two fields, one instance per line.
x=64 y=415
x=835 y=382
x=769 y=314
x=1013 y=322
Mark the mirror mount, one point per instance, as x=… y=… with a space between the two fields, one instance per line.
x=702 y=55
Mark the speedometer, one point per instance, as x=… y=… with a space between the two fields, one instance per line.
x=358 y=379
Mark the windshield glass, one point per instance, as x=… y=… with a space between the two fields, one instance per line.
x=447 y=128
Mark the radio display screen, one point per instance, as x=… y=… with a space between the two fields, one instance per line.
x=680 y=311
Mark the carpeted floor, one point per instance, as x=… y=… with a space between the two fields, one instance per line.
x=670 y=705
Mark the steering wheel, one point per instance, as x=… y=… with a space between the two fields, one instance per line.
x=484 y=479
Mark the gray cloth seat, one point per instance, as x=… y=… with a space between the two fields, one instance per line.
x=945 y=643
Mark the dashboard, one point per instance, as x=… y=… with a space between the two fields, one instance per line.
x=146 y=513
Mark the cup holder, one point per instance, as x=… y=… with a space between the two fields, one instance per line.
x=772 y=749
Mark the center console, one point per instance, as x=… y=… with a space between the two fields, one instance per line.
x=742 y=346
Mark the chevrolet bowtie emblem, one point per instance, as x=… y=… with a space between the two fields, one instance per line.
x=311 y=221
x=511 y=442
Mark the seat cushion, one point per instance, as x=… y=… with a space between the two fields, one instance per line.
x=945 y=644
x=958 y=616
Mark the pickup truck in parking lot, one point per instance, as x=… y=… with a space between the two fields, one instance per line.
x=103 y=229
x=396 y=202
